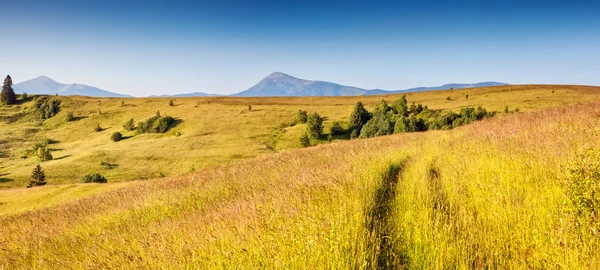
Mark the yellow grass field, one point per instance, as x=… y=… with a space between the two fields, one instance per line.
x=498 y=193
x=214 y=130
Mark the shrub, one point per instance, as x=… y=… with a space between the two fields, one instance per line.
x=47 y=107
x=379 y=125
x=24 y=96
x=314 y=125
x=336 y=128
x=582 y=187
x=171 y=103
x=129 y=125
x=449 y=98
x=38 y=177
x=301 y=117
x=329 y=138
x=98 y=128
x=304 y=140
x=44 y=154
x=467 y=96
x=353 y=134
x=517 y=110
x=249 y=107
x=93 y=178
x=69 y=117
x=506 y=109
x=156 y=124
x=117 y=136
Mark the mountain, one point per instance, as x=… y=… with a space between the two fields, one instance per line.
x=281 y=84
x=45 y=86
x=194 y=94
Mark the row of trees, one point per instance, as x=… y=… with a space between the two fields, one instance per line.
x=400 y=118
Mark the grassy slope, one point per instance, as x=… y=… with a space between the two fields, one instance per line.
x=490 y=194
x=335 y=206
x=215 y=130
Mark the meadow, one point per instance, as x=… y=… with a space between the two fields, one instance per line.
x=213 y=131
x=512 y=191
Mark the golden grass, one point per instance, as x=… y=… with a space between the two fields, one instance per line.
x=487 y=195
x=215 y=130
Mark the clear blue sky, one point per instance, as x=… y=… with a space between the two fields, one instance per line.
x=165 y=47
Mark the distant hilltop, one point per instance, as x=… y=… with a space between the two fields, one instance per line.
x=276 y=84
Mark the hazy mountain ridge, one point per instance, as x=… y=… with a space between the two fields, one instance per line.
x=281 y=84
x=45 y=86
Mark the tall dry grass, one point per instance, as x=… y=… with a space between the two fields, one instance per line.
x=488 y=195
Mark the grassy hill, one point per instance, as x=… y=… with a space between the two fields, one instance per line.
x=510 y=191
x=213 y=131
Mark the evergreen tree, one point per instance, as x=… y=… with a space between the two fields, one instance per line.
x=38 y=177
x=359 y=117
x=8 y=94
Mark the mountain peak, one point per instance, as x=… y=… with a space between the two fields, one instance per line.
x=278 y=75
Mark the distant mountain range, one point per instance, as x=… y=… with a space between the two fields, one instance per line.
x=280 y=84
x=45 y=86
x=276 y=84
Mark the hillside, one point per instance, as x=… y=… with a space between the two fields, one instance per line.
x=213 y=131
x=493 y=194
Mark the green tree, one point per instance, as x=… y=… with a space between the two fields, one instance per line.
x=314 y=125
x=400 y=106
x=359 y=117
x=93 y=178
x=7 y=95
x=38 y=177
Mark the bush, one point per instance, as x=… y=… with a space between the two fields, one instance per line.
x=449 y=98
x=46 y=106
x=44 y=154
x=38 y=177
x=314 y=125
x=301 y=117
x=336 y=128
x=354 y=134
x=249 y=107
x=24 y=96
x=93 y=178
x=171 y=103
x=98 y=128
x=129 y=125
x=583 y=186
x=117 y=136
x=379 y=125
x=69 y=117
x=156 y=124
x=304 y=140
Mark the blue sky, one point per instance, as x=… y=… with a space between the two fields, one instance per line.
x=165 y=47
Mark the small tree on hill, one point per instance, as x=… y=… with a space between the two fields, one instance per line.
x=314 y=125
x=7 y=95
x=38 y=177
x=359 y=117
